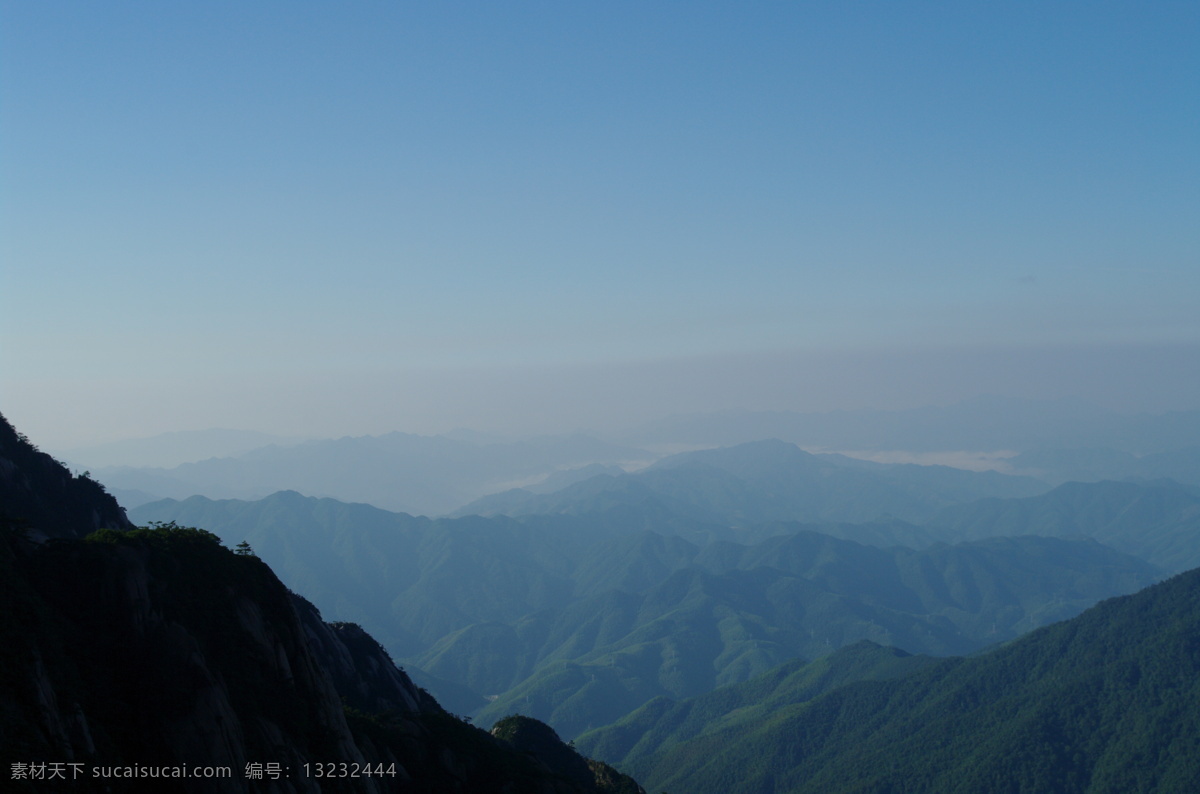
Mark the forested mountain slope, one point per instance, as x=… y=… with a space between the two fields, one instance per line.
x=736 y=611
x=665 y=736
x=1104 y=702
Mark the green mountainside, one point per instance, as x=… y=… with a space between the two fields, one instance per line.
x=411 y=580
x=730 y=616
x=664 y=736
x=577 y=621
x=1104 y=702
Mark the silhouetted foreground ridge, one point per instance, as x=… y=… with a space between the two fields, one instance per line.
x=161 y=648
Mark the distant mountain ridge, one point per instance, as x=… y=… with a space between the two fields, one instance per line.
x=772 y=487
x=426 y=475
x=1058 y=466
x=438 y=475
x=1157 y=521
x=172 y=449
x=984 y=423
x=765 y=481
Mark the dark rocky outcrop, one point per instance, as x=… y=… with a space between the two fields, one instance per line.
x=362 y=671
x=40 y=494
x=538 y=740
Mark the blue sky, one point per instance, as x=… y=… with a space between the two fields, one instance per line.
x=316 y=219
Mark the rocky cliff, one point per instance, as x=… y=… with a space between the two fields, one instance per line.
x=40 y=494
x=129 y=653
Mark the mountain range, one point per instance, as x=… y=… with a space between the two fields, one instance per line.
x=770 y=480
x=772 y=487
x=719 y=621
x=576 y=619
x=1050 y=442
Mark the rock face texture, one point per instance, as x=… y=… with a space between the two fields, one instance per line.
x=136 y=651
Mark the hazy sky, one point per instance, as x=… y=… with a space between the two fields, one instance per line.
x=329 y=218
